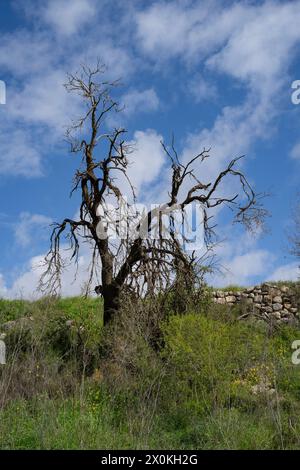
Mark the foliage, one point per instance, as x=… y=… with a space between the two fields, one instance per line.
x=210 y=382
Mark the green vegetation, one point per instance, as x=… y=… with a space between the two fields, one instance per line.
x=236 y=288
x=231 y=288
x=202 y=380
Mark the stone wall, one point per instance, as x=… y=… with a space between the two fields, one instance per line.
x=270 y=301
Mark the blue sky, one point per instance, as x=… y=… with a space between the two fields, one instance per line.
x=217 y=74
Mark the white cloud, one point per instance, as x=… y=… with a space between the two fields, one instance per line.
x=295 y=152
x=147 y=159
x=132 y=104
x=286 y=272
x=239 y=39
x=232 y=134
x=140 y=101
x=25 y=53
x=240 y=260
x=19 y=154
x=190 y=30
x=243 y=268
x=38 y=107
x=44 y=101
x=250 y=42
x=28 y=224
x=3 y=288
x=26 y=284
x=260 y=48
x=68 y=16
x=202 y=90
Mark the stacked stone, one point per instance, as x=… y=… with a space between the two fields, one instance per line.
x=271 y=301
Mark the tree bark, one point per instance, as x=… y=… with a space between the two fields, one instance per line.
x=111 y=298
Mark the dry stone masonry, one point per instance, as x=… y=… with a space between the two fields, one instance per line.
x=272 y=302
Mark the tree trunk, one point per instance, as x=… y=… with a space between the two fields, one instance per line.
x=111 y=297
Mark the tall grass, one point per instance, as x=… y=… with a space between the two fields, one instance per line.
x=203 y=380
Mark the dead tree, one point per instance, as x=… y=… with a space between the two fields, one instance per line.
x=141 y=264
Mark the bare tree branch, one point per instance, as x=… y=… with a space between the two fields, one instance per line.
x=143 y=265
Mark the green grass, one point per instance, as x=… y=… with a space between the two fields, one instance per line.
x=291 y=284
x=236 y=288
x=216 y=383
x=232 y=288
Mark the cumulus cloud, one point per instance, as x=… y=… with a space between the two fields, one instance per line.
x=187 y=29
x=238 y=41
x=240 y=259
x=25 y=53
x=36 y=64
x=73 y=280
x=249 y=53
x=140 y=101
x=132 y=104
x=202 y=90
x=147 y=158
x=68 y=16
x=28 y=225
x=295 y=152
x=3 y=288
x=44 y=101
x=242 y=269
x=19 y=155
x=286 y=272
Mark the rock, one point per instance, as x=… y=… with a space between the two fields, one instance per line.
x=9 y=325
x=276 y=315
x=268 y=300
x=284 y=289
x=230 y=299
x=267 y=309
x=263 y=388
x=22 y=322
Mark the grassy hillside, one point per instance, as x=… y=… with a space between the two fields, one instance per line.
x=203 y=380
